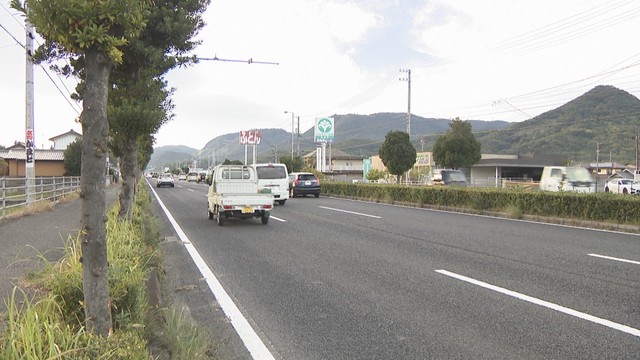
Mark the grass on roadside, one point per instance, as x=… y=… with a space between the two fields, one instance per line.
x=49 y=325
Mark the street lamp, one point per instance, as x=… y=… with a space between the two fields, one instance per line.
x=286 y=112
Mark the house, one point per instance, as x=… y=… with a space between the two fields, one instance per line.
x=340 y=165
x=62 y=141
x=493 y=168
x=48 y=162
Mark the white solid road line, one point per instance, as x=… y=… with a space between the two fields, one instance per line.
x=278 y=219
x=562 y=309
x=351 y=212
x=616 y=259
x=190 y=190
x=249 y=337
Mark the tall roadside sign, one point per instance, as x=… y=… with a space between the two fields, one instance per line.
x=323 y=133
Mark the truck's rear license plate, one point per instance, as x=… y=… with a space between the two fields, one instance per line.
x=247 y=210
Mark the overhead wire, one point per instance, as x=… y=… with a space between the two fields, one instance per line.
x=67 y=96
x=564 y=30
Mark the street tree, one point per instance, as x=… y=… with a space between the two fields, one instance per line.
x=293 y=164
x=397 y=153
x=458 y=147
x=95 y=32
x=73 y=159
x=139 y=100
x=136 y=110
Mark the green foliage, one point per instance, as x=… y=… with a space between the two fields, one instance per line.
x=397 y=153
x=78 y=25
x=458 y=148
x=293 y=164
x=375 y=174
x=604 y=115
x=184 y=339
x=566 y=205
x=57 y=318
x=36 y=329
x=73 y=158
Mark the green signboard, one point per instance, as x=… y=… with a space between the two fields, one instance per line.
x=324 y=130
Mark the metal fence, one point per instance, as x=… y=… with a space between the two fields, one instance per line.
x=13 y=191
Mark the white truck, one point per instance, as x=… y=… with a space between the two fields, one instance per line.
x=234 y=193
x=563 y=178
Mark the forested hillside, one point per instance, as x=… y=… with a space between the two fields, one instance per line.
x=604 y=115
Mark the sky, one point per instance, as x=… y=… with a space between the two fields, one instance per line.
x=477 y=60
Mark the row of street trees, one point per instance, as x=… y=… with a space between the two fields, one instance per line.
x=121 y=51
x=457 y=148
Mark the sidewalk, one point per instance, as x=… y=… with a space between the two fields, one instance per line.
x=25 y=240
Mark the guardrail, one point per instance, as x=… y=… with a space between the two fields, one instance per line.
x=13 y=191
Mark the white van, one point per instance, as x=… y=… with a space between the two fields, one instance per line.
x=563 y=178
x=275 y=177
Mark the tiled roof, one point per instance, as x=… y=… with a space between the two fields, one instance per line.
x=40 y=155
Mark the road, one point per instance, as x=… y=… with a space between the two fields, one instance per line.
x=337 y=279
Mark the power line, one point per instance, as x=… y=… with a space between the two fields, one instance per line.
x=73 y=106
x=248 y=61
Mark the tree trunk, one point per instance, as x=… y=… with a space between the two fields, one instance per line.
x=95 y=135
x=128 y=167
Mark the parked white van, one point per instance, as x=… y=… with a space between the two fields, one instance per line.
x=275 y=177
x=563 y=178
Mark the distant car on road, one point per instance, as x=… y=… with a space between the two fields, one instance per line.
x=193 y=176
x=165 y=180
x=303 y=183
x=622 y=186
x=182 y=176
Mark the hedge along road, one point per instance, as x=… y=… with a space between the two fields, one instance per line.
x=344 y=279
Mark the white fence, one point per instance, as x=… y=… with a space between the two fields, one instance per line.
x=13 y=191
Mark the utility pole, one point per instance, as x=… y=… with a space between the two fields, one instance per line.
x=637 y=137
x=298 y=139
x=597 y=163
x=408 y=80
x=30 y=166
x=292 y=131
x=408 y=120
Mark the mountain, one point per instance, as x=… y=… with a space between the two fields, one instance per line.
x=359 y=135
x=604 y=115
x=164 y=155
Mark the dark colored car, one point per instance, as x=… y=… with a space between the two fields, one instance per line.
x=302 y=183
x=449 y=177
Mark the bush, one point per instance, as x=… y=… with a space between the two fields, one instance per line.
x=593 y=207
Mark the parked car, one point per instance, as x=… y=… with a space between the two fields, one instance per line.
x=448 y=177
x=165 y=180
x=622 y=186
x=303 y=183
x=182 y=176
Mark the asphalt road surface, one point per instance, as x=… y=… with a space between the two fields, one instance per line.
x=337 y=279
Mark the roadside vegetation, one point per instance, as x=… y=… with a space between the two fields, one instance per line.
x=45 y=320
x=610 y=210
